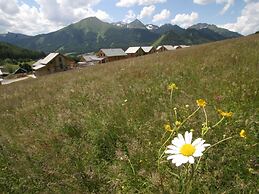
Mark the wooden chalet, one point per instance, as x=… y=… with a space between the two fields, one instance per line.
x=112 y=54
x=88 y=60
x=54 y=62
x=163 y=48
x=148 y=49
x=134 y=51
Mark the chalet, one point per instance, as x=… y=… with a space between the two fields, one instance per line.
x=54 y=62
x=88 y=60
x=148 y=49
x=3 y=73
x=181 y=46
x=112 y=54
x=163 y=48
x=134 y=51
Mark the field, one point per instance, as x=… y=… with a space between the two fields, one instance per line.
x=99 y=129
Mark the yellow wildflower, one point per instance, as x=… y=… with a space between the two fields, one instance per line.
x=177 y=123
x=242 y=133
x=225 y=114
x=168 y=128
x=201 y=103
x=172 y=87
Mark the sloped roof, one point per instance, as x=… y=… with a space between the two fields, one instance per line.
x=38 y=65
x=49 y=58
x=167 y=47
x=113 y=52
x=89 y=58
x=132 y=50
x=147 y=49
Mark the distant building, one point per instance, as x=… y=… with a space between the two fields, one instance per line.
x=112 y=54
x=20 y=70
x=3 y=73
x=54 y=62
x=88 y=60
x=163 y=48
x=134 y=51
x=148 y=49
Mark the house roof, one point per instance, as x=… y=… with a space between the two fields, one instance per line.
x=167 y=47
x=89 y=58
x=113 y=52
x=147 y=49
x=132 y=50
x=49 y=58
x=38 y=65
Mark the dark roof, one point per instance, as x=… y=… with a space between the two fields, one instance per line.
x=113 y=52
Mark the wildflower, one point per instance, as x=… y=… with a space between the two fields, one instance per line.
x=187 y=106
x=182 y=150
x=172 y=87
x=225 y=114
x=201 y=103
x=177 y=123
x=168 y=128
x=242 y=133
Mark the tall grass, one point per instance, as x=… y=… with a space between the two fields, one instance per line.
x=98 y=129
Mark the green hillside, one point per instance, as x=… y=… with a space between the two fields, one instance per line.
x=99 y=129
x=14 y=52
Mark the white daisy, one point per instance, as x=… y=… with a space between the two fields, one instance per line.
x=182 y=150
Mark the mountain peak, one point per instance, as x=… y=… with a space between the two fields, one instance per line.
x=222 y=31
x=136 y=24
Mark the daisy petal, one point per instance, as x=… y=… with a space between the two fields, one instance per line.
x=188 y=137
x=196 y=141
x=181 y=140
x=191 y=159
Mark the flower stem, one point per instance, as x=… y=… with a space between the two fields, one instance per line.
x=218 y=122
x=219 y=143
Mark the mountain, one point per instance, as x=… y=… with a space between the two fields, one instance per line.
x=169 y=27
x=91 y=34
x=13 y=52
x=152 y=27
x=221 y=31
x=136 y=24
x=120 y=24
x=87 y=35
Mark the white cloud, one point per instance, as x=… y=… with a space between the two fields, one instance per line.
x=130 y=3
x=164 y=14
x=227 y=3
x=248 y=22
x=147 y=11
x=50 y=15
x=9 y=6
x=185 y=20
x=130 y=16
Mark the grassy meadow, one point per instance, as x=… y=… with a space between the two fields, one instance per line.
x=99 y=129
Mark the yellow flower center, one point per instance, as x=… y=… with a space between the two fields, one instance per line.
x=187 y=150
x=201 y=103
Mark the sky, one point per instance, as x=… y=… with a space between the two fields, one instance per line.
x=33 y=17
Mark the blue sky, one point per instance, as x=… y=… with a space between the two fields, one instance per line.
x=42 y=16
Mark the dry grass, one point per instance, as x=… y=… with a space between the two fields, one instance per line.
x=73 y=132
